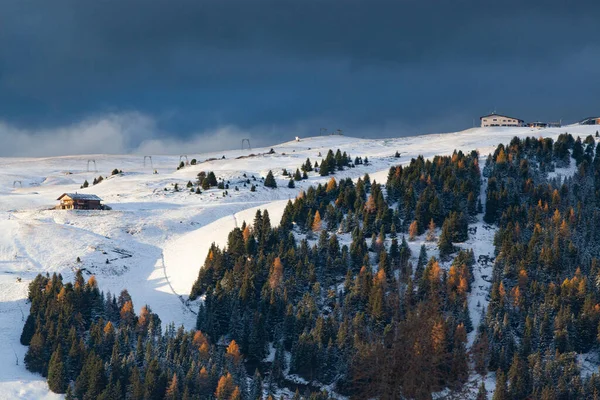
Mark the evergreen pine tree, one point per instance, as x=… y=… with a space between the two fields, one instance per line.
x=307 y=167
x=445 y=240
x=421 y=262
x=256 y=389
x=35 y=357
x=136 y=386
x=270 y=180
x=57 y=377
x=154 y=387
x=211 y=178
x=28 y=330
x=518 y=375
x=324 y=168
x=501 y=392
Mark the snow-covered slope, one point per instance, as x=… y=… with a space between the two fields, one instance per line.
x=154 y=241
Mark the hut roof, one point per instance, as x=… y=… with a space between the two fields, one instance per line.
x=80 y=196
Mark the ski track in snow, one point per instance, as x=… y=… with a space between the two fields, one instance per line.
x=156 y=240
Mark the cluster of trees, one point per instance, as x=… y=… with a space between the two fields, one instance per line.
x=332 y=163
x=95 y=182
x=429 y=190
x=354 y=311
x=440 y=192
x=193 y=162
x=334 y=294
x=337 y=161
x=332 y=289
x=100 y=178
x=93 y=346
x=206 y=180
x=545 y=299
x=297 y=176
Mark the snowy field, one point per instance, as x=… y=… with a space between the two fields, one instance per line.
x=154 y=241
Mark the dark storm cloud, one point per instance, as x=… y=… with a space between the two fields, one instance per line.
x=371 y=67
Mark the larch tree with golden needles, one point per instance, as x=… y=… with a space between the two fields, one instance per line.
x=317 y=224
x=173 y=389
x=276 y=275
x=246 y=233
x=236 y=395
x=127 y=313
x=413 y=230
x=233 y=351
x=225 y=387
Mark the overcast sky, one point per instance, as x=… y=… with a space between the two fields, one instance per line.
x=139 y=76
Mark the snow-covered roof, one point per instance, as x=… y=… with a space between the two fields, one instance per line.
x=583 y=121
x=80 y=196
x=499 y=115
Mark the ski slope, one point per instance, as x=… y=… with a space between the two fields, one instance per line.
x=154 y=241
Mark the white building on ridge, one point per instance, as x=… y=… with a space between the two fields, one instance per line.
x=500 y=120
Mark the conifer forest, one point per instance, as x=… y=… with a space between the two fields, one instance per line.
x=332 y=301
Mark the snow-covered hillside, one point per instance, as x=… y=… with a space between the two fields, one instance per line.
x=154 y=240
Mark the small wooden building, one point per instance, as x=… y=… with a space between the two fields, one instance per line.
x=78 y=201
